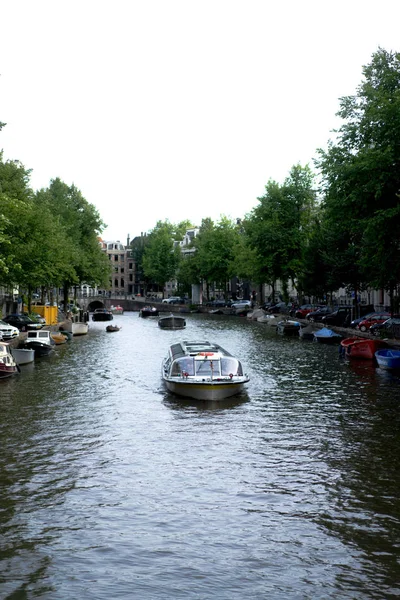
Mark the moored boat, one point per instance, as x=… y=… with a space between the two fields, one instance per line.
x=203 y=371
x=59 y=338
x=23 y=356
x=361 y=348
x=172 y=322
x=288 y=327
x=8 y=364
x=117 y=310
x=39 y=341
x=148 y=311
x=327 y=336
x=388 y=358
x=79 y=328
x=112 y=328
x=102 y=314
x=307 y=332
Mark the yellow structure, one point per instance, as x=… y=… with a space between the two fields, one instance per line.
x=50 y=313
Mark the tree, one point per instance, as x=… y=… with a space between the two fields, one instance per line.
x=83 y=260
x=214 y=254
x=160 y=256
x=361 y=176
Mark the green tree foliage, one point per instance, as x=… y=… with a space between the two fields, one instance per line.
x=361 y=175
x=160 y=257
x=15 y=207
x=278 y=227
x=81 y=226
x=215 y=245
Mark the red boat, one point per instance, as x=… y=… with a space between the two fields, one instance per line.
x=361 y=348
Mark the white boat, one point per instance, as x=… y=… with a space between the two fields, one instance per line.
x=80 y=328
x=203 y=371
x=8 y=364
x=39 y=341
x=172 y=322
x=23 y=356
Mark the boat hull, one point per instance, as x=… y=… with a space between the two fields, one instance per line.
x=388 y=359
x=289 y=328
x=360 y=348
x=39 y=348
x=23 y=356
x=211 y=391
x=327 y=336
x=102 y=317
x=8 y=371
x=80 y=328
x=144 y=313
x=172 y=322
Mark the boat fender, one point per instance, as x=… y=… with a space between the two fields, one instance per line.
x=206 y=353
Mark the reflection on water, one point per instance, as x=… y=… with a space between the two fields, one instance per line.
x=112 y=487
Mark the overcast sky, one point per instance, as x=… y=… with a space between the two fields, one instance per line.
x=178 y=109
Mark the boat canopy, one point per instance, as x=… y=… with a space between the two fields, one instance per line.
x=211 y=365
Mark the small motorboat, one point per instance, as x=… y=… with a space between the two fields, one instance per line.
x=39 y=341
x=288 y=327
x=203 y=371
x=59 y=338
x=148 y=311
x=102 y=314
x=327 y=336
x=172 y=322
x=361 y=348
x=307 y=333
x=8 y=364
x=23 y=356
x=68 y=334
x=79 y=328
x=112 y=328
x=387 y=358
x=117 y=310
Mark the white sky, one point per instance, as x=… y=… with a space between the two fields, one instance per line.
x=178 y=109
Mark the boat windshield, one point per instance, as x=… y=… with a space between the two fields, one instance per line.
x=231 y=365
x=183 y=365
x=208 y=366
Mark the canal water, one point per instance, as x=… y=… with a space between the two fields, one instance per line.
x=110 y=487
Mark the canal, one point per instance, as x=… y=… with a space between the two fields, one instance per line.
x=112 y=488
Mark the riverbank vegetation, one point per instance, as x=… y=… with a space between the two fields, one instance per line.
x=335 y=226
x=48 y=238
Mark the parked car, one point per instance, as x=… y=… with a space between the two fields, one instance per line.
x=240 y=304
x=22 y=322
x=365 y=324
x=317 y=315
x=36 y=318
x=279 y=307
x=340 y=317
x=7 y=331
x=218 y=303
x=390 y=327
x=303 y=310
x=356 y=322
x=174 y=300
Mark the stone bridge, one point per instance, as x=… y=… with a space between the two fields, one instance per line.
x=90 y=303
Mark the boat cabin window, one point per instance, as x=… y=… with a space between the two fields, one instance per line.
x=183 y=365
x=208 y=367
x=231 y=365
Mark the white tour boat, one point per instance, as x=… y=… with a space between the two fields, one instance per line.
x=202 y=371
